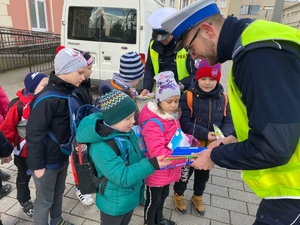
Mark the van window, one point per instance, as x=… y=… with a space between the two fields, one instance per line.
x=117 y=25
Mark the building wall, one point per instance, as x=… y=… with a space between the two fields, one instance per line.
x=291 y=15
x=19 y=12
x=5 y=19
x=16 y=14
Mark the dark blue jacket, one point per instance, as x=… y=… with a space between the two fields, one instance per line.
x=208 y=109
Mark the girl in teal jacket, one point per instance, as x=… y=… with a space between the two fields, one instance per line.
x=126 y=171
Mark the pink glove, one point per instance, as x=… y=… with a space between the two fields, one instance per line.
x=193 y=141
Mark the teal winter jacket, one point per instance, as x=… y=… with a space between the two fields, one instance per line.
x=125 y=187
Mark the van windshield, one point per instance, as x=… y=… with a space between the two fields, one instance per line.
x=116 y=25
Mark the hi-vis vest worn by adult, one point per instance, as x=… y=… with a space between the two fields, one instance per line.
x=181 y=58
x=282 y=181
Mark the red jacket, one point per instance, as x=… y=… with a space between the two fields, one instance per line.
x=3 y=104
x=9 y=125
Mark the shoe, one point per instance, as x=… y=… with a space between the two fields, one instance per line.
x=62 y=222
x=4 y=176
x=166 y=222
x=5 y=190
x=179 y=203
x=86 y=199
x=199 y=206
x=27 y=208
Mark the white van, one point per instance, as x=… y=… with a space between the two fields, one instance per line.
x=107 y=29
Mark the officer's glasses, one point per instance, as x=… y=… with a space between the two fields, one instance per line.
x=187 y=48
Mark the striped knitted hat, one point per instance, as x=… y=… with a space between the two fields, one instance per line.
x=115 y=105
x=131 y=67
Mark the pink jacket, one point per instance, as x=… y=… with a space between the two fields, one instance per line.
x=157 y=142
x=4 y=101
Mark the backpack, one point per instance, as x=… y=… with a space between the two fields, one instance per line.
x=84 y=170
x=76 y=113
x=138 y=133
x=21 y=126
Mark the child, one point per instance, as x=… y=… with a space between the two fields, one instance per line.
x=166 y=110
x=209 y=106
x=131 y=71
x=125 y=172
x=3 y=104
x=44 y=156
x=34 y=83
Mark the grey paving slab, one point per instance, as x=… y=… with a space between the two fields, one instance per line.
x=227 y=198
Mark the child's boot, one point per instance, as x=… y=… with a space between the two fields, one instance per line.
x=179 y=203
x=198 y=204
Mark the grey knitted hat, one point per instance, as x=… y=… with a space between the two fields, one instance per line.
x=68 y=60
x=131 y=67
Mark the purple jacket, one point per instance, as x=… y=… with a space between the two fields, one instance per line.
x=157 y=141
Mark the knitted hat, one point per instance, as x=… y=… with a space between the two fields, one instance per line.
x=205 y=70
x=32 y=80
x=68 y=60
x=115 y=105
x=131 y=67
x=166 y=86
x=89 y=59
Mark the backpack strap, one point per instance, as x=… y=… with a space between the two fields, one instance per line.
x=226 y=103
x=156 y=121
x=73 y=104
x=112 y=143
x=189 y=98
x=20 y=112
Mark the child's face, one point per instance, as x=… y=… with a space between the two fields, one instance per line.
x=41 y=85
x=207 y=84
x=88 y=72
x=126 y=124
x=76 y=77
x=170 y=104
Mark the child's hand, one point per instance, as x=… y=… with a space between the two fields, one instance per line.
x=162 y=162
x=39 y=173
x=145 y=92
x=212 y=136
x=6 y=159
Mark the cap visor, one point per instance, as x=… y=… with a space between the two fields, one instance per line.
x=159 y=37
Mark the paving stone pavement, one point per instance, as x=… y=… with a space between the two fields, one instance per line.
x=227 y=199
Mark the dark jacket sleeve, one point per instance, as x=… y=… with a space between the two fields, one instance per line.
x=149 y=73
x=269 y=82
x=5 y=146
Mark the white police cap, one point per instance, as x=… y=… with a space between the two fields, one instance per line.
x=178 y=23
x=155 y=20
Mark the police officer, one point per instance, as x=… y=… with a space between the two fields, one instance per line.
x=161 y=56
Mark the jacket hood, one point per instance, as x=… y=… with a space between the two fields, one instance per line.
x=24 y=96
x=151 y=111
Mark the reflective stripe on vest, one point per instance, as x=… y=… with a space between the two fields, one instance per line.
x=181 y=58
x=281 y=181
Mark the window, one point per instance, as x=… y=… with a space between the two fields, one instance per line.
x=185 y=3
x=254 y=9
x=117 y=25
x=222 y=3
x=244 y=9
x=38 y=15
x=172 y=3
